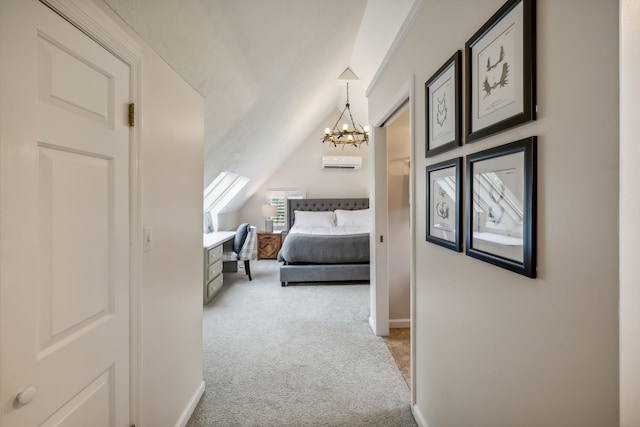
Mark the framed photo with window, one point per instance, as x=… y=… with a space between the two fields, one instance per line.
x=501 y=206
x=443 y=105
x=444 y=206
x=500 y=62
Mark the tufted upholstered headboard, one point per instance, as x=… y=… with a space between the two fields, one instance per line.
x=322 y=205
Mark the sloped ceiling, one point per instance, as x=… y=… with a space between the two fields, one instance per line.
x=267 y=68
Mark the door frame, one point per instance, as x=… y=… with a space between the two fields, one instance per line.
x=89 y=18
x=379 y=288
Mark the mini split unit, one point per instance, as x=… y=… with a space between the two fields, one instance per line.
x=341 y=162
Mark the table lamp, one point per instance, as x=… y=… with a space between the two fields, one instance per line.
x=269 y=211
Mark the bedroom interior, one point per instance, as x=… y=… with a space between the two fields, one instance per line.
x=248 y=103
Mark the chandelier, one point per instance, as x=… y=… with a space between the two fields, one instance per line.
x=345 y=136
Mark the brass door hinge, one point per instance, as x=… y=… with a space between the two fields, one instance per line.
x=132 y=109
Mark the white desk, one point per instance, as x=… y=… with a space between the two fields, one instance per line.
x=217 y=238
x=213 y=244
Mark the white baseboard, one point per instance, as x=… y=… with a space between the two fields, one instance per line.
x=419 y=417
x=371 y=325
x=399 y=323
x=188 y=411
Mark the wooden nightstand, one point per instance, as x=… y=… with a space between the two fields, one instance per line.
x=269 y=245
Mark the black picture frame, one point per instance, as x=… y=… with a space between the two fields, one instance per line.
x=501 y=206
x=499 y=97
x=447 y=177
x=444 y=116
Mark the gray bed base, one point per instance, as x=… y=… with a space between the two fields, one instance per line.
x=323 y=272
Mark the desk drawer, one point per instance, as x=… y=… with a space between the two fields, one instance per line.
x=214 y=254
x=214 y=270
x=213 y=287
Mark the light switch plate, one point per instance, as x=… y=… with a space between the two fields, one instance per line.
x=147 y=238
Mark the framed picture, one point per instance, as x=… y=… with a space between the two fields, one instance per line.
x=500 y=61
x=444 y=208
x=443 y=105
x=501 y=206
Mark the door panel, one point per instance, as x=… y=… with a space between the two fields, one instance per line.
x=93 y=402
x=60 y=72
x=76 y=287
x=64 y=223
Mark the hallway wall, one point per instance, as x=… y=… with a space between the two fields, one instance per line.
x=171 y=117
x=492 y=347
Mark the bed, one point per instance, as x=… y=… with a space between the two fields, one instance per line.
x=315 y=251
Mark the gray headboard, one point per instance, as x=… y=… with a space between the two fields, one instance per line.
x=322 y=205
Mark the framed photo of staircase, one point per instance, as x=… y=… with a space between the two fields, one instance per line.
x=500 y=66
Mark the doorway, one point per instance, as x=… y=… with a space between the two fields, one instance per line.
x=399 y=239
x=392 y=194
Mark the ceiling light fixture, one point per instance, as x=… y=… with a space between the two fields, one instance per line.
x=345 y=136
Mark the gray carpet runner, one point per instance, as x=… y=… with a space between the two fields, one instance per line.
x=303 y=355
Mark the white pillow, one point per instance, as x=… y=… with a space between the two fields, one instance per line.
x=357 y=218
x=314 y=219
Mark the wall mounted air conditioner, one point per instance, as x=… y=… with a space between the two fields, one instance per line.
x=341 y=162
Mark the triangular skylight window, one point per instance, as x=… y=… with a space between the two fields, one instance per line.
x=222 y=190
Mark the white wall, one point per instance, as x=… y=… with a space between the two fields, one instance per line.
x=398 y=234
x=378 y=28
x=629 y=207
x=171 y=117
x=492 y=347
x=172 y=162
x=303 y=170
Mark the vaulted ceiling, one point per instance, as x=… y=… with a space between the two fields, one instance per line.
x=267 y=68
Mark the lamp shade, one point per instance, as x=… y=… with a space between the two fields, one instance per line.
x=269 y=210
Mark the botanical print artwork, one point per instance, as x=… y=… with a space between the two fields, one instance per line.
x=498 y=205
x=444 y=193
x=443 y=105
x=494 y=67
x=444 y=200
x=442 y=111
x=496 y=210
x=501 y=206
x=442 y=207
x=497 y=197
x=504 y=76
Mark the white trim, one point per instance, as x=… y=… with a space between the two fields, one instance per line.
x=402 y=33
x=417 y=415
x=406 y=91
x=396 y=102
x=137 y=276
x=399 y=323
x=413 y=157
x=89 y=18
x=191 y=406
x=93 y=21
x=378 y=243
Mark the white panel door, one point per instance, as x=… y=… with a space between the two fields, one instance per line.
x=64 y=224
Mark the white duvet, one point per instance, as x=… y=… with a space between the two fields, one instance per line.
x=329 y=231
